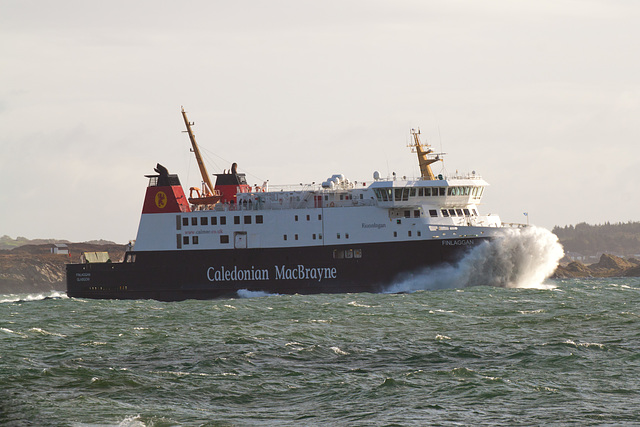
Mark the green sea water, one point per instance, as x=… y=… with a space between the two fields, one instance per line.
x=565 y=352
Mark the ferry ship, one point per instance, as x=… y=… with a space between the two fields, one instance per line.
x=336 y=237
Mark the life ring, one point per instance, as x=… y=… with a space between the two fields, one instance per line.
x=332 y=204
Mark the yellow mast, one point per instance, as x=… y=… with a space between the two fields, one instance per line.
x=207 y=190
x=425 y=156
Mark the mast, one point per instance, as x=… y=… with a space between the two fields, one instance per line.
x=207 y=190
x=425 y=156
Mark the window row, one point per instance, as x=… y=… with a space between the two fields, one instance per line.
x=222 y=220
x=194 y=240
x=347 y=253
x=458 y=212
x=403 y=194
x=409 y=233
x=314 y=236
x=309 y=217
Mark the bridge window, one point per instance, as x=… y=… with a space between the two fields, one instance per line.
x=459 y=212
x=466 y=212
x=433 y=212
x=452 y=212
x=445 y=213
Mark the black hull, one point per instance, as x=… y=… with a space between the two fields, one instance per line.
x=209 y=274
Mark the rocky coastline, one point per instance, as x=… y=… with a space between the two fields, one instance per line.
x=607 y=266
x=35 y=269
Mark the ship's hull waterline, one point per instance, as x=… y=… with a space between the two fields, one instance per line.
x=206 y=274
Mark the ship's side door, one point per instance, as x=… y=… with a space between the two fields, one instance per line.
x=240 y=239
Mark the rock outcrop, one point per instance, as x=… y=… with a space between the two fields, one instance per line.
x=607 y=266
x=33 y=268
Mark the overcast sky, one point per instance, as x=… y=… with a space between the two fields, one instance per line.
x=541 y=98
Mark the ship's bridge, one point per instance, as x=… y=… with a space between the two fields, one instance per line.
x=444 y=192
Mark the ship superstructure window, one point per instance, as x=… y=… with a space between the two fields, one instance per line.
x=285 y=237
x=445 y=213
x=314 y=236
x=407 y=214
x=452 y=212
x=409 y=233
x=223 y=220
x=308 y=217
x=194 y=221
x=416 y=214
x=402 y=194
x=224 y=239
x=338 y=235
x=236 y=219
x=185 y=221
x=459 y=212
x=319 y=217
x=433 y=212
x=295 y=237
x=296 y=217
x=204 y=221
x=247 y=219
x=214 y=220
x=185 y=240
x=195 y=240
x=259 y=219
x=346 y=235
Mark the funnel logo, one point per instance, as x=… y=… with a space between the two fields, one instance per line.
x=161 y=199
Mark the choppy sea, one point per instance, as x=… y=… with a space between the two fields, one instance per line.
x=554 y=352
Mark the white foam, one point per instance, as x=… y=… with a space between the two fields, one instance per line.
x=245 y=293
x=31 y=297
x=519 y=258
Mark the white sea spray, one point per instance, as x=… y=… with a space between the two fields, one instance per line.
x=518 y=258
